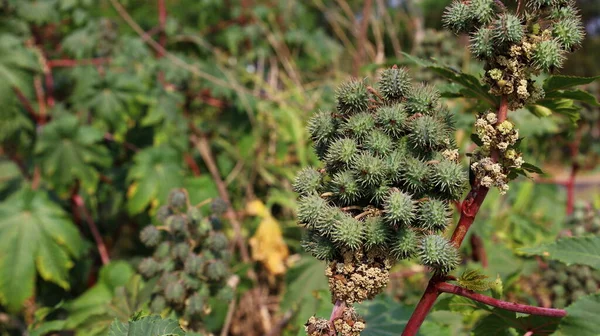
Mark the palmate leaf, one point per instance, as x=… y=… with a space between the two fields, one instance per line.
x=582 y=318
x=36 y=237
x=17 y=67
x=570 y=250
x=38 y=12
x=67 y=151
x=155 y=172
x=384 y=316
x=146 y=326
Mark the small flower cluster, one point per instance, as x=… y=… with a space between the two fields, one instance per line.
x=190 y=262
x=517 y=46
x=499 y=138
x=348 y=324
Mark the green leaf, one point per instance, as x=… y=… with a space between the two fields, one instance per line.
x=17 y=67
x=474 y=280
x=559 y=82
x=36 y=237
x=67 y=151
x=476 y=140
x=562 y=106
x=48 y=327
x=146 y=326
x=384 y=316
x=577 y=95
x=582 y=317
x=532 y=168
x=155 y=172
x=38 y=12
x=570 y=250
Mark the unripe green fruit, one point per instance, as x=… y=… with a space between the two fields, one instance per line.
x=195 y=305
x=190 y=283
x=449 y=177
x=352 y=97
x=378 y=143
x=380 y=194
x=576 y=295
x=158 y=304
x=438 y=253
x=562 y=13
x=415 y=175
x=427 y=134
x=178 y=199
x=218 y=206
x=217 y=241
x=348 y=232
x=481 y=11
x=392 y=120
x=481 y=44
x=422 y=99
x=321 y=127
x=537 y=4
x=591 y=286
x=394 y=83
x=310 y=208
x=457 y=17
x=559 y=303
x=562 y=277
x=404 y=243
x=433 y=215
x=508 y=29
x=162 y=213
x=574 y=284
x=583 y=273
x=307 y=181
x=359 y=126
x=174 y=292
x=341 y=152
x=376 y=231
x=163 y=250
x=369 y=169
x=399 y=209
x=345 y=187
x=193 y=264
x=148 y=267
x=226 y=294
x=548 y=55
x=180 y=251
x=216 y=270
x=167 y=265
x=194 y=215
x=150 y=236
x=558 y=290
x=318 y=246
x=395 y=162
x=568 y=32
x=326 y=222
x=177 y=224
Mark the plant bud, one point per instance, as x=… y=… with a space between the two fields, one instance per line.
x=178 y=199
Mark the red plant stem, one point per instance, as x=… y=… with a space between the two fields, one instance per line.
x=445 y=287
x=26 y=103
x=40 y=95
x=102 y=250
x=469 y=209
x=189 y=160
x=71 y=63
x=336 y=312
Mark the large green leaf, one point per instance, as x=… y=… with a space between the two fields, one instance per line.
x=155 y=172
x=36 y=237
x=38 y=12
x=17 y=67
x=384 y=316
x=570 y=250
x=582 y=318
x=146 y=326
x=560 y=82
x=68 y=151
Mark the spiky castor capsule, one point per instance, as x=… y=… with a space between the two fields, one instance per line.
x=376 y=232
x=178 y=199
x=217 y=242
x=481 y=43
x=321 y=128
x=422 y=99
x=352 y=97
x=379 y=143
x=177 y=224
x=195 y=305
x=433 y=215
x=568 y=32
x=193 y=264
x=163 y=250
x=216 y=270
x=310 y=208
x=194 y=215
x=393 y=120
x=319 y=246
x=307 y=181
x=370 y=169
x=345 y=187
x=415 y=175
x=348 y=232
x=341 y=153
x=548 y=55
x=394 y=83
x=180 y=251
x=438 y=253
x=404 y=244
x=399 y=209
x=450 y=179
x=175 y=292
x=158 y=304
x=482 y=11
x=163 y=212
x=359 y=126
x=457 y=17
x=226 y=293
x=427 y=134
x=148 y=267
x=150 y=236
x=508 y=29
x=218 y=206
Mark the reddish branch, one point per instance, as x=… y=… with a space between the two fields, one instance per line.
x=71 y=63
x=26 y=103
x=80 y=204
x=444 y=287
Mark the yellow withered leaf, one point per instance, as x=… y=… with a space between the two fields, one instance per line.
x=268 y=246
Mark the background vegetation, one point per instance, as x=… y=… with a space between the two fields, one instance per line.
x=106 y=106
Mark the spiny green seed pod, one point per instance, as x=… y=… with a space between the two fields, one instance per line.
x=399 y=209
x=376 y=232
x=433 y=215
x=569 y=33
x=508 y=29
x=310 y=208
x=380 y=193
x=195 y=305
x=449 y=177
x=537 y=4
x=427 y=134
x=216 y=270
x=562 y=13
x=180 y=251
x=481 y=11
x=352 y=97
x=194 y=215
x=203 y=228
x=422 y=99
x=175 y=292
x=438 y=253
x=326 y=222
x=218 y=206
x=167 y=265
x=226 y=294
x=178 y=199
x=150 y=236
x=158 y=304
x=345 y=187
x=481 y=43
x=190 y=283
x=148 y=267
x=457 y=17
x=548 y=55
x=348 y=232
x=319 y=246
x=162 y=213
x=163 y=250
x=307 y=181
x=394 y=163
x=321 y=127
x=359 y=125
x=415 y=175
x=404 y=244
x=394 y=83
x=341 y=152
x=177 y=224
x=369 y=169
x=392 y=120
x=379 y=143
x=193 y=264
x=217 y=241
